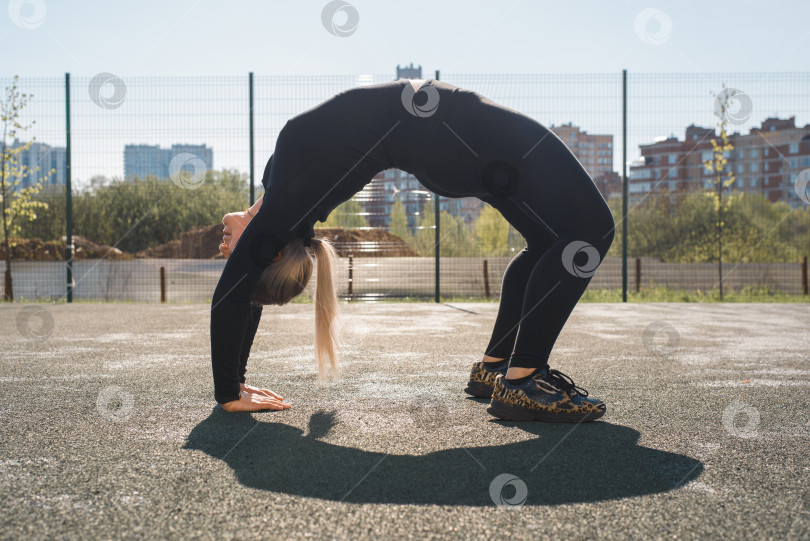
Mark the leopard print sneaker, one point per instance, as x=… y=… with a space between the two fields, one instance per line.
x=482 y=378
x=549 y=395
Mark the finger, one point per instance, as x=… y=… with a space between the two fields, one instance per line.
x=265 y=399
x=268 y=392
x=272 y=405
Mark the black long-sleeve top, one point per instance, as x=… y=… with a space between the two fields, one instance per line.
x=324 y=156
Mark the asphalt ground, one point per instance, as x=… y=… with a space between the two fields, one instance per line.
x=110 y=430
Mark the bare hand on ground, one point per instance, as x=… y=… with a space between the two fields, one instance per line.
x=257 y=390
x=254 y=402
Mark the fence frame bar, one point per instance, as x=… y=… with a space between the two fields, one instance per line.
x=250 y=137
x=624 y=185
x=68 y=198
x=437 y=249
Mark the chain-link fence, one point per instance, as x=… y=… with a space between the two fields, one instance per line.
x=155 y=163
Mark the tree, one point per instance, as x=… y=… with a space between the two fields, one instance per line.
x=18 y=203
x=455 y=236
x=106 y=210
x=398 y=225
x=495 y=236
x=349 y=214
x=424 y=238
x=717 y=164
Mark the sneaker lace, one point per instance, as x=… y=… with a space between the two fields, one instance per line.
x=564 y=382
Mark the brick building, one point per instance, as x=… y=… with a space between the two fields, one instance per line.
x=766 y=160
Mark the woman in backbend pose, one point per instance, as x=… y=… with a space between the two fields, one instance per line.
x=458 y=144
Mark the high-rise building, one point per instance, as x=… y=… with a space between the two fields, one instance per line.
x=150 y=160
x=389 y=186
x=767 y=160
x=50 y=160
x=594 y=152
x=409 y=72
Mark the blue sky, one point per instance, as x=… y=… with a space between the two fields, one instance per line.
x=745 y=45
x=206 y=37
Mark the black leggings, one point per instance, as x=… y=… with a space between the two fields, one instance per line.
x=568 y=229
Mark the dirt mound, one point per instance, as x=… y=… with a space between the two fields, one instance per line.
x=199 y=243
x=365 y=242
x=39 y=250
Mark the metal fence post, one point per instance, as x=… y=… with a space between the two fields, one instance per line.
x=624 y=185
x=437 y=249
x=68 y=196
x=250 y=102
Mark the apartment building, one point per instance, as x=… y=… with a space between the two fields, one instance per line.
x=767 y=160
x=47 y=158
x=142 y=161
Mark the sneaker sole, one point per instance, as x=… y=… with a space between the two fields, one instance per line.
x=506 y=412
x=478 y=389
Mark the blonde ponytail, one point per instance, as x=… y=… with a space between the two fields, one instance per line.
x=326 y=308
x=288 y=277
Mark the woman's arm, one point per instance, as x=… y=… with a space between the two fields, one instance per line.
x=262 y=239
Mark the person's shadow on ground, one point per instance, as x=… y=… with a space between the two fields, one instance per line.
x=577 y=463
